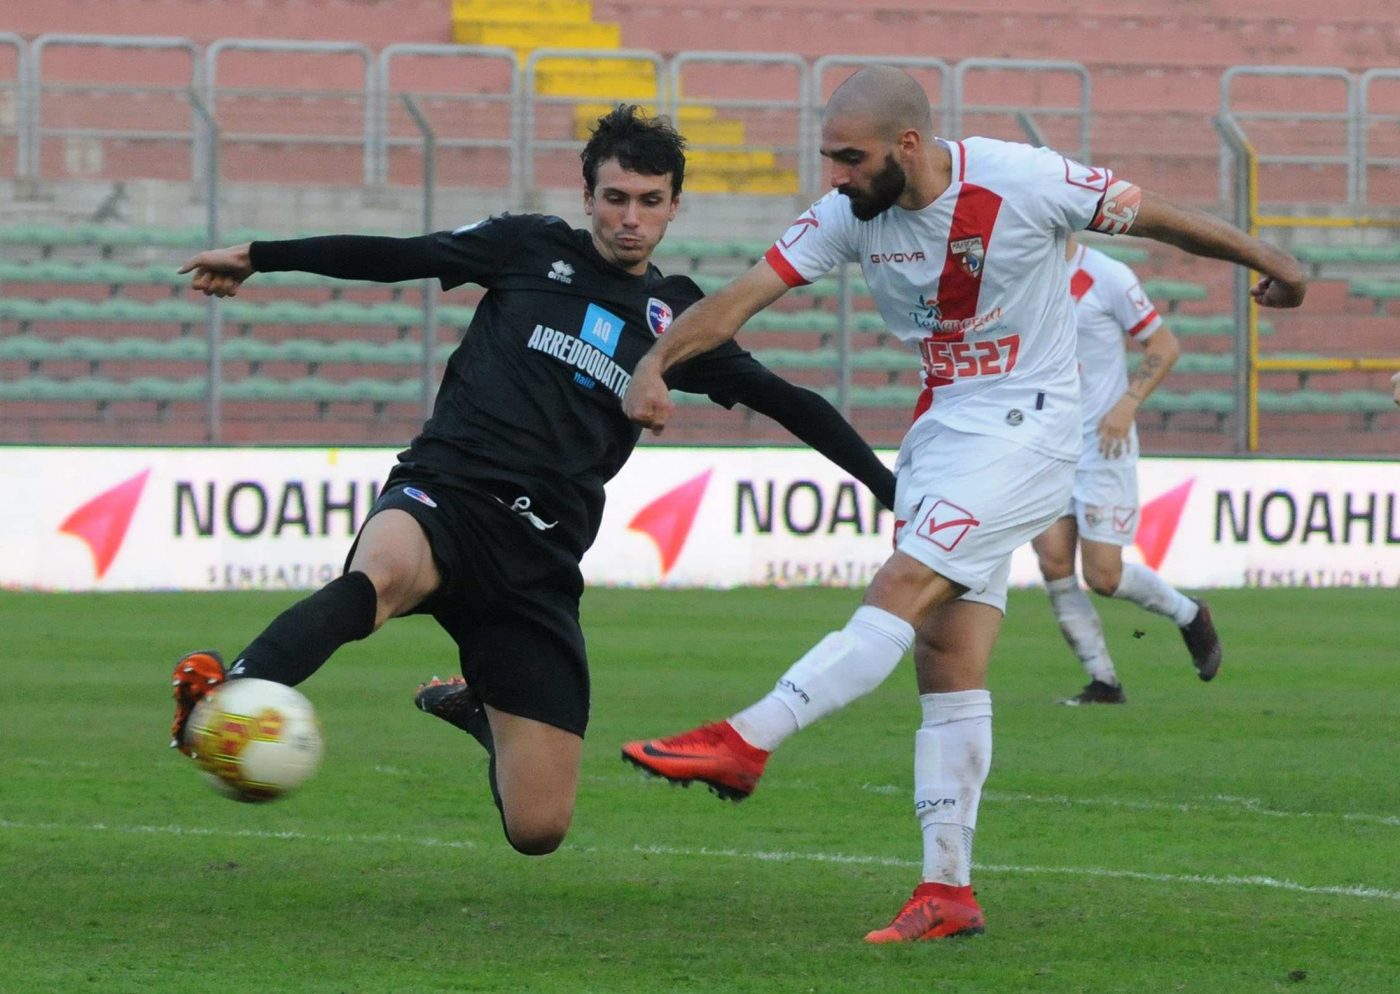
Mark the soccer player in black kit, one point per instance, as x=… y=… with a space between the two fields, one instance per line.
x=485 y=517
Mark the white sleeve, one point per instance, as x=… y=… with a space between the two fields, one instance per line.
x=1068 y=192
x=817 y=242
x=1131 y=307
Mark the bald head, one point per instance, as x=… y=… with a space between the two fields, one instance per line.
x=888 y=100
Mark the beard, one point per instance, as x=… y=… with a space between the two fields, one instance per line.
x=885 y=188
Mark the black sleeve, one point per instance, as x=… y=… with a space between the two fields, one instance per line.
x=470 y=254
x=348 y=257
x=731 y=375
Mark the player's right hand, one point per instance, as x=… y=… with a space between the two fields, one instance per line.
x=647 y=400
x=220 y=272
x=1273 y=292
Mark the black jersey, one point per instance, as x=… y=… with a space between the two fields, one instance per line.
x=533 y=395
x=531 y=403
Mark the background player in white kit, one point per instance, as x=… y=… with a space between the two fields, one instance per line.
x=963 y=247
x=1102 y=517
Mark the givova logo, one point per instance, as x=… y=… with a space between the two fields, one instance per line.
x=102 y=522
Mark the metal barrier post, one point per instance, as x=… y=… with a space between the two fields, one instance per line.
x=22 y=103
x=429 y=290
x=1244 y=308
x=214 y=315
x=1363 y=121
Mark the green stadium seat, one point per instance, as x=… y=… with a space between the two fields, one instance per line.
x=455 y=315
x=1376 y=291
x=1173 y=292
x=1347 y=256
x=817 y=321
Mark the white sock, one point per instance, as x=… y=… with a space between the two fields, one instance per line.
x=952 y=755
x=838 y=669
x=1081 y=627
x=1149 y=591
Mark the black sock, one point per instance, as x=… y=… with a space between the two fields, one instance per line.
x=303 y=637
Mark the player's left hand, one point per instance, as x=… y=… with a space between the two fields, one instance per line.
x=1114 y=428
x=647 y=400
x=1395 y=386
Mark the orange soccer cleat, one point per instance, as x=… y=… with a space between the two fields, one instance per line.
x=714 y=754
x=936 y=911
x=195 y=675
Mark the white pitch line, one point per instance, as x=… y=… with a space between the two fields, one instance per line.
x=757 y=855
x=1209 y=805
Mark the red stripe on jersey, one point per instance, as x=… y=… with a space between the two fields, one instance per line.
x=962 y=161
x=1079 y=284
x=1143 y=323
x=974 y=216
x=960 y=283
x=784 y=268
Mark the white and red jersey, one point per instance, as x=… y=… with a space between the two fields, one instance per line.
x=976 y=283
x=1108 y=304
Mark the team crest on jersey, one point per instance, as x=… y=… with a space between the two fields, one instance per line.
x=658 y=316
x=970 y=253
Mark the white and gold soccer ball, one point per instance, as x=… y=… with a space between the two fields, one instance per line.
x=256 y=740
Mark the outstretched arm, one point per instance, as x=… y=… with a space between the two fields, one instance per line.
x=706 y=324
x=1283 y=284
x=220 y=272
x=814 y=421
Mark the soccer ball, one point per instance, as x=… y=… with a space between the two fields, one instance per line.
x=256 y=740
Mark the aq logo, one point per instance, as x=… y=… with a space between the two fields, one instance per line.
x=668 y=519
x=102 y=522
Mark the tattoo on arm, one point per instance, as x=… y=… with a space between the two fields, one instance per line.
x=1142 y=380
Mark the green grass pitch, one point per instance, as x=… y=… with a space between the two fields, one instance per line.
x=1234 y=837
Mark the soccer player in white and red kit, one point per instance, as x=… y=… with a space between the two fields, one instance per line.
x=1102 y=516
x=963 y=246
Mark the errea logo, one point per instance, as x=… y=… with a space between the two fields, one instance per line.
x=561 y=271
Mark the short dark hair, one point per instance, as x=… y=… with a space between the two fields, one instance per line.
x=647 y=145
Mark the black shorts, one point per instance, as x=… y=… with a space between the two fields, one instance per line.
x=509 y=599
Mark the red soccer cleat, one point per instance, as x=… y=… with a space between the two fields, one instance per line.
x=936 y=911
x=715 y=755
x=195 y=675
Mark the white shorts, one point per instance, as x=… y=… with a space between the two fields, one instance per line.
x=963 y=503
x=1105 y=501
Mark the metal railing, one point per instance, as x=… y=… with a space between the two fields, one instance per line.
x=368 y=140
x=32 y=168
x=1076 y=113
x=1347 y=158
x=18 y=100
x=477 y=58
x=794 y=109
